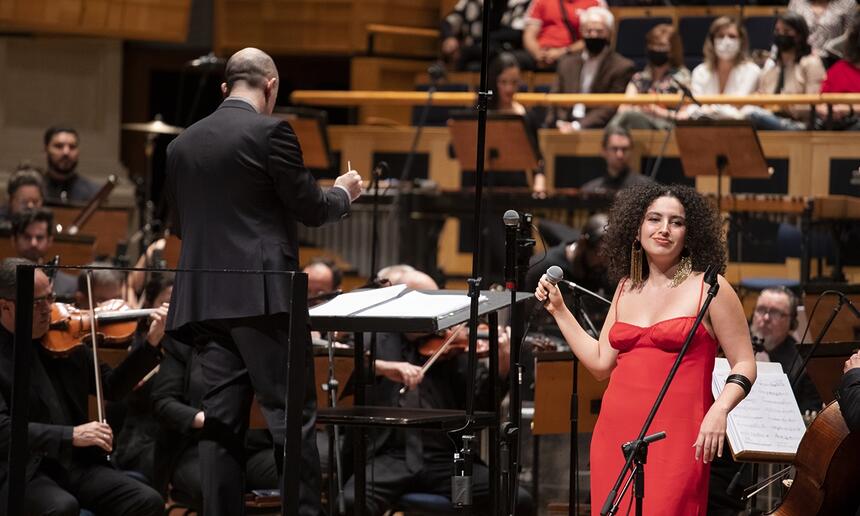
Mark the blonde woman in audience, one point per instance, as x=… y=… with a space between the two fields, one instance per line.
x=794 y=69
x=664 y=70
x=727 y=69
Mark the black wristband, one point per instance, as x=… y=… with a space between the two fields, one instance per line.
x=741 y=381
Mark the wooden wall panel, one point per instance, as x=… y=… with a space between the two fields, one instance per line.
x=157 y=20
x=313 y=26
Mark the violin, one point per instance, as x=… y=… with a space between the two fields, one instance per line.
x=460 y=344
x=827 y=477
x=71 y=327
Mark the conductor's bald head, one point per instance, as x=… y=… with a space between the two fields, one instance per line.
x=251 y=74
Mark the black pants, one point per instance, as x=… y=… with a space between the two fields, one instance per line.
x=240 y=359
x=99 y=488
x=186 y=485
x=388 y=478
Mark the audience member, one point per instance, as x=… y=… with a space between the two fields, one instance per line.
x=553 y=29
x=663 y=71
x=727 y=69
x=595 y=69
x=617 y=144
x=844 y=77
x=826 y=19
x=505 y=80
x=461 y=32
x=63 y=184
x=795 y=69
x=26 y=189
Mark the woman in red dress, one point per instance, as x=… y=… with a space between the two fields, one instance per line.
x=659 y=241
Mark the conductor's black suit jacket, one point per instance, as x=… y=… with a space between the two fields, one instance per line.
x=238 y=186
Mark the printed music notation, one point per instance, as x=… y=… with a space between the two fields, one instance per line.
x=768 y=421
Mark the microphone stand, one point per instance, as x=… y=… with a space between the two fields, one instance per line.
x=636 y=451
x=685 y=92
x=573 y=487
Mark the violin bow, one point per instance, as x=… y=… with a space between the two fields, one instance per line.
x=100 y=402
x=437 y=354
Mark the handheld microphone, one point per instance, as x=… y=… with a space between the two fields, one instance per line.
x=685 y=90
x=554 y=274
x=512 y=225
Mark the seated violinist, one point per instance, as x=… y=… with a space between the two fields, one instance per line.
x=67 y=467
x=106 y=285
x=849 y=392
x=421 y=461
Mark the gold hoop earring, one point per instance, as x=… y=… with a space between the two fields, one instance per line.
x=685 y=268
x=636 y=263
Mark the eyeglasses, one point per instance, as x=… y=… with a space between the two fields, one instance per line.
x=46 y=299
x=770 y=312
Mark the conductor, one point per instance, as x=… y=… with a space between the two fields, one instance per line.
x=238 y=186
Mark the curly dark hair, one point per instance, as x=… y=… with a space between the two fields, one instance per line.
x=704 y=238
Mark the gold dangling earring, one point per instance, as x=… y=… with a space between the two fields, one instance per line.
x=636 y=264
x=685 y=267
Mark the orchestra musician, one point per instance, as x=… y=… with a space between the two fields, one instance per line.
x=67 y=468
x=324 y=277
x=403 y=461
x=63 y=183
x=849 y=392
x=32 y=238
x=26 y=190
x=238 y=186
x=617 y=147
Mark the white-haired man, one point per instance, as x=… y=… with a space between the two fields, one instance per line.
x=597 y=68
x=552 y=29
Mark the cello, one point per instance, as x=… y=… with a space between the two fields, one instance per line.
x=827 y=469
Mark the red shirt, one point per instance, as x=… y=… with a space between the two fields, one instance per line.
x=842 y=77
x=553 y=31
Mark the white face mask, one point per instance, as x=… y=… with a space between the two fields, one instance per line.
x=727 y=48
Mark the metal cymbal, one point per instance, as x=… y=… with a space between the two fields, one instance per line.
x=153 y=127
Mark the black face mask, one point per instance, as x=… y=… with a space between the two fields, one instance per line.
x=784 y=42
x=657 y=58
x=595 y=45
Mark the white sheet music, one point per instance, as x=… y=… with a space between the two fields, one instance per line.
x=354 y=302
x=768 y=420
x=419 y=304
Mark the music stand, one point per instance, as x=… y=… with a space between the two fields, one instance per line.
x=311 y=128
x=510 y=147
x=730 y=147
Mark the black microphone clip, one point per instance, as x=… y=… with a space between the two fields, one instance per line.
x=685 y=90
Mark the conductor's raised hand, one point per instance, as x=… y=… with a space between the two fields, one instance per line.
x=546 y=290
x=351 y=182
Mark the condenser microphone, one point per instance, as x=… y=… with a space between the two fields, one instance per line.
x=512 y=226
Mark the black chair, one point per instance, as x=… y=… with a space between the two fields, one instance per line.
x=630 y=42
x=694 y=31
x=760 y=31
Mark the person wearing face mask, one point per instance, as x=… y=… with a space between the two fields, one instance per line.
x=553 y=28
x=595 y=69
x=794 y=69
x=844 y=77
x=664 y=70
x=727 y=70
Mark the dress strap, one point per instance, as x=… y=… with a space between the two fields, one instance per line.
x=620 y=293
x=701 y=291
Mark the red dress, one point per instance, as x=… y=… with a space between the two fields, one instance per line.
x=675 y=483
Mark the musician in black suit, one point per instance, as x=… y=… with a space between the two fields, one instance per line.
x=849 y=392
x=238 y=186
x=67 y=468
